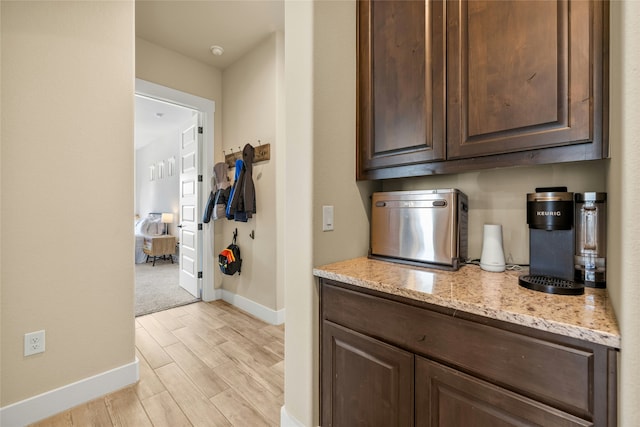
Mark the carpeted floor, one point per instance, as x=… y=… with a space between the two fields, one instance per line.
x=157 y=288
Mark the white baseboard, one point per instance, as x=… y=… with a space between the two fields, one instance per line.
x=287 y=420
x=42 y=406
x=263 y=313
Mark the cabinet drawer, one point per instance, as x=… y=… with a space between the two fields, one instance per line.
x=557 y=374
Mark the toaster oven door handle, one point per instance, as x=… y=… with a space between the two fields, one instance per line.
x=440 y=203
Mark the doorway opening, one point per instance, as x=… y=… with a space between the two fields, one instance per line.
x=172 y=261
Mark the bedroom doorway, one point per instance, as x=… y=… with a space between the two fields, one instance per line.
x=184 y=168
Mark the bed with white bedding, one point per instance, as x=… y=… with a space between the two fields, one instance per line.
x=149 y=226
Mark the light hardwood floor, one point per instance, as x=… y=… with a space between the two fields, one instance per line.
x=203 y=364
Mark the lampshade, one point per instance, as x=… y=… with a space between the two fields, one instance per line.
x=167 y=218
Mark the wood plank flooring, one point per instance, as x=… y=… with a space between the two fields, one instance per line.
x=203 y=364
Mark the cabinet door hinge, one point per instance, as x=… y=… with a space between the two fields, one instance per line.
x=200 y=130
x=199 y=274
x=199 y=227
x=199 y=178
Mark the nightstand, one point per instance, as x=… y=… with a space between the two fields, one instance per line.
x=159 y=247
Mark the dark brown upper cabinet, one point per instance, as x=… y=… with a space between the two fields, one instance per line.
x=498 y=83
x=401 y=84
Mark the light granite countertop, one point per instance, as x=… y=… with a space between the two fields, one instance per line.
x=589 y=317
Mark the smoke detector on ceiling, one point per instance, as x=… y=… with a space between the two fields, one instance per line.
x=216 y=50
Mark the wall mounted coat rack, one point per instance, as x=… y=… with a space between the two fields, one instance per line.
x=261 y=153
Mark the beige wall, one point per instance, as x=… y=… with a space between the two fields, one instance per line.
x=334 y=127
x=249 y=114
x=624 y=181
x=168 y=68
x=312 y=57
x=300 y=379
x=171 y=69
x=498 y=196
x=320 y=73
x=280 y=169
x=1 y=206
x=67 y=193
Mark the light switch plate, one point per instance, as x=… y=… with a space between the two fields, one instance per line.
x=327 y=218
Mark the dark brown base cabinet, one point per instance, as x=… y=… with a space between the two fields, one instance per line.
x=389 y=361
x=365 y=367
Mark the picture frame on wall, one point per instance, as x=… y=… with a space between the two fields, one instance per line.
x=171 y=166
x=152 y=172
x=161 y=169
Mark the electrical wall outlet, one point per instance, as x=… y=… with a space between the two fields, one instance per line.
x=34 y=343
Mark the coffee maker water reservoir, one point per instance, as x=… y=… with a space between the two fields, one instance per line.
x=591 y=238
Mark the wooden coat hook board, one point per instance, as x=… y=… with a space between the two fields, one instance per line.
x=261 y=153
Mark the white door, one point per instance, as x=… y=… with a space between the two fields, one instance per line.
x=190 y=253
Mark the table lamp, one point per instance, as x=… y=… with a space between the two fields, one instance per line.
x=167 y=218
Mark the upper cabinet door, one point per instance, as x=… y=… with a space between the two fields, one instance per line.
x=401 y=87
x=525 y=75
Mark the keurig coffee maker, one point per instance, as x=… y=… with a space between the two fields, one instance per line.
x=550 y=215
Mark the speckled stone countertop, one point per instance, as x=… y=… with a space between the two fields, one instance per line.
x=589 y=317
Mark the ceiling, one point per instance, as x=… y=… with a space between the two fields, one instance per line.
x=191 y=28
x=156 y=118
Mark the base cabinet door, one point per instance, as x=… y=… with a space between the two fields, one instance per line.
x=365 y=382
x=446 y=397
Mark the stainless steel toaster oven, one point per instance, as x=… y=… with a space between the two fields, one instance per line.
x=426 y=227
